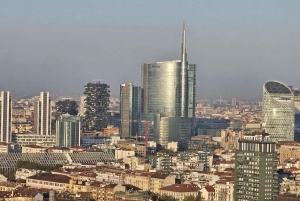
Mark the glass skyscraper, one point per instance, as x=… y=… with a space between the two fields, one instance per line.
x=130 y=109
x=169 y=90
x=68 y=130
x=278 y=111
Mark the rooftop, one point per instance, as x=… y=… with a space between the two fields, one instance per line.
x=181 y=188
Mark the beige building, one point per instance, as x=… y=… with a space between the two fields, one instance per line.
x=158 y=180
x=56 y=182
x=288 y=150
x=179 y=191
x=123 y=153
x=224 y=189
x=140 y=180
x=33 y=149
x=208 y=193
x=9 y=186
x=148 y=181
x=24 y=195
x=229 y=142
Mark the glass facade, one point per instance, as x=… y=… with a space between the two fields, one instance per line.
x=169 y=91
x=68 y=131
x=278 y=111
x=161 y=84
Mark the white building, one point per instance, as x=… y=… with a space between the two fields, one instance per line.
x=121 y=153
x=42 y=114
x=5 y=117
x=33 y=139
x=278 y=111
x=24 y=173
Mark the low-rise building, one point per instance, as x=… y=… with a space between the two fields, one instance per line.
x=179 y=191
x=208 y=193
x=33 y=149
x=23 y=173
x=51 y=181
x=24 y=195
x=224 y=189
x=33 y=139
x=158 y=180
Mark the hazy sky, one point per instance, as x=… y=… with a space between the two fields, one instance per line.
x=60 y=45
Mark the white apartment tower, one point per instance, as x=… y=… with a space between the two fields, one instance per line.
x=5 y=117
x=42 y=114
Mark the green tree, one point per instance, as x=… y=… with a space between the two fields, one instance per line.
x=154 y=196
x=193 y=198
x=66 y=107
x=189 y=198
x=165 y=197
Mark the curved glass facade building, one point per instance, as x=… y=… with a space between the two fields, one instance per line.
x=162 y=83
x=169 y=95
x=278 y=111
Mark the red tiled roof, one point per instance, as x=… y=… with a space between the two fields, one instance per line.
x=210 y=189
x=159 y=175
x=181 y=188
x=51 y=177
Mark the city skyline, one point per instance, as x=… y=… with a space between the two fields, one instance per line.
x=234 y=47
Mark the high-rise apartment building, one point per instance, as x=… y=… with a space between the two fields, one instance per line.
x=169 y=90
x=42 y=114
x=68 y=130
x=96 y=104
x=278 y=111
x=256 y=162
x=5 y=117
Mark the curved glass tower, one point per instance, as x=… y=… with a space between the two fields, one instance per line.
x=169 y=94
x=278 y=111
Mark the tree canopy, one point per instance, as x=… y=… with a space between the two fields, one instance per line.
x=36 y=166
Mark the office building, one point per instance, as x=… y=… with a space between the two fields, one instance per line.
x=297 y=114
x=256 y=162
x=6 y=117
x=68 y=130
x=130 y=109
x=169 y=90
x=42 y=114
x=96 y=104
x=278 y=111
x=233 y=102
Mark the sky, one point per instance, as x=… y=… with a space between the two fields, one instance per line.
x=61 y=45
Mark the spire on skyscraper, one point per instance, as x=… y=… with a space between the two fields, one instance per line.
x=183 y=44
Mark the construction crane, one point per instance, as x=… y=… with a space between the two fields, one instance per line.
x=146 y=130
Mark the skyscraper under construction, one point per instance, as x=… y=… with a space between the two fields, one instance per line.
x=97 y=102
